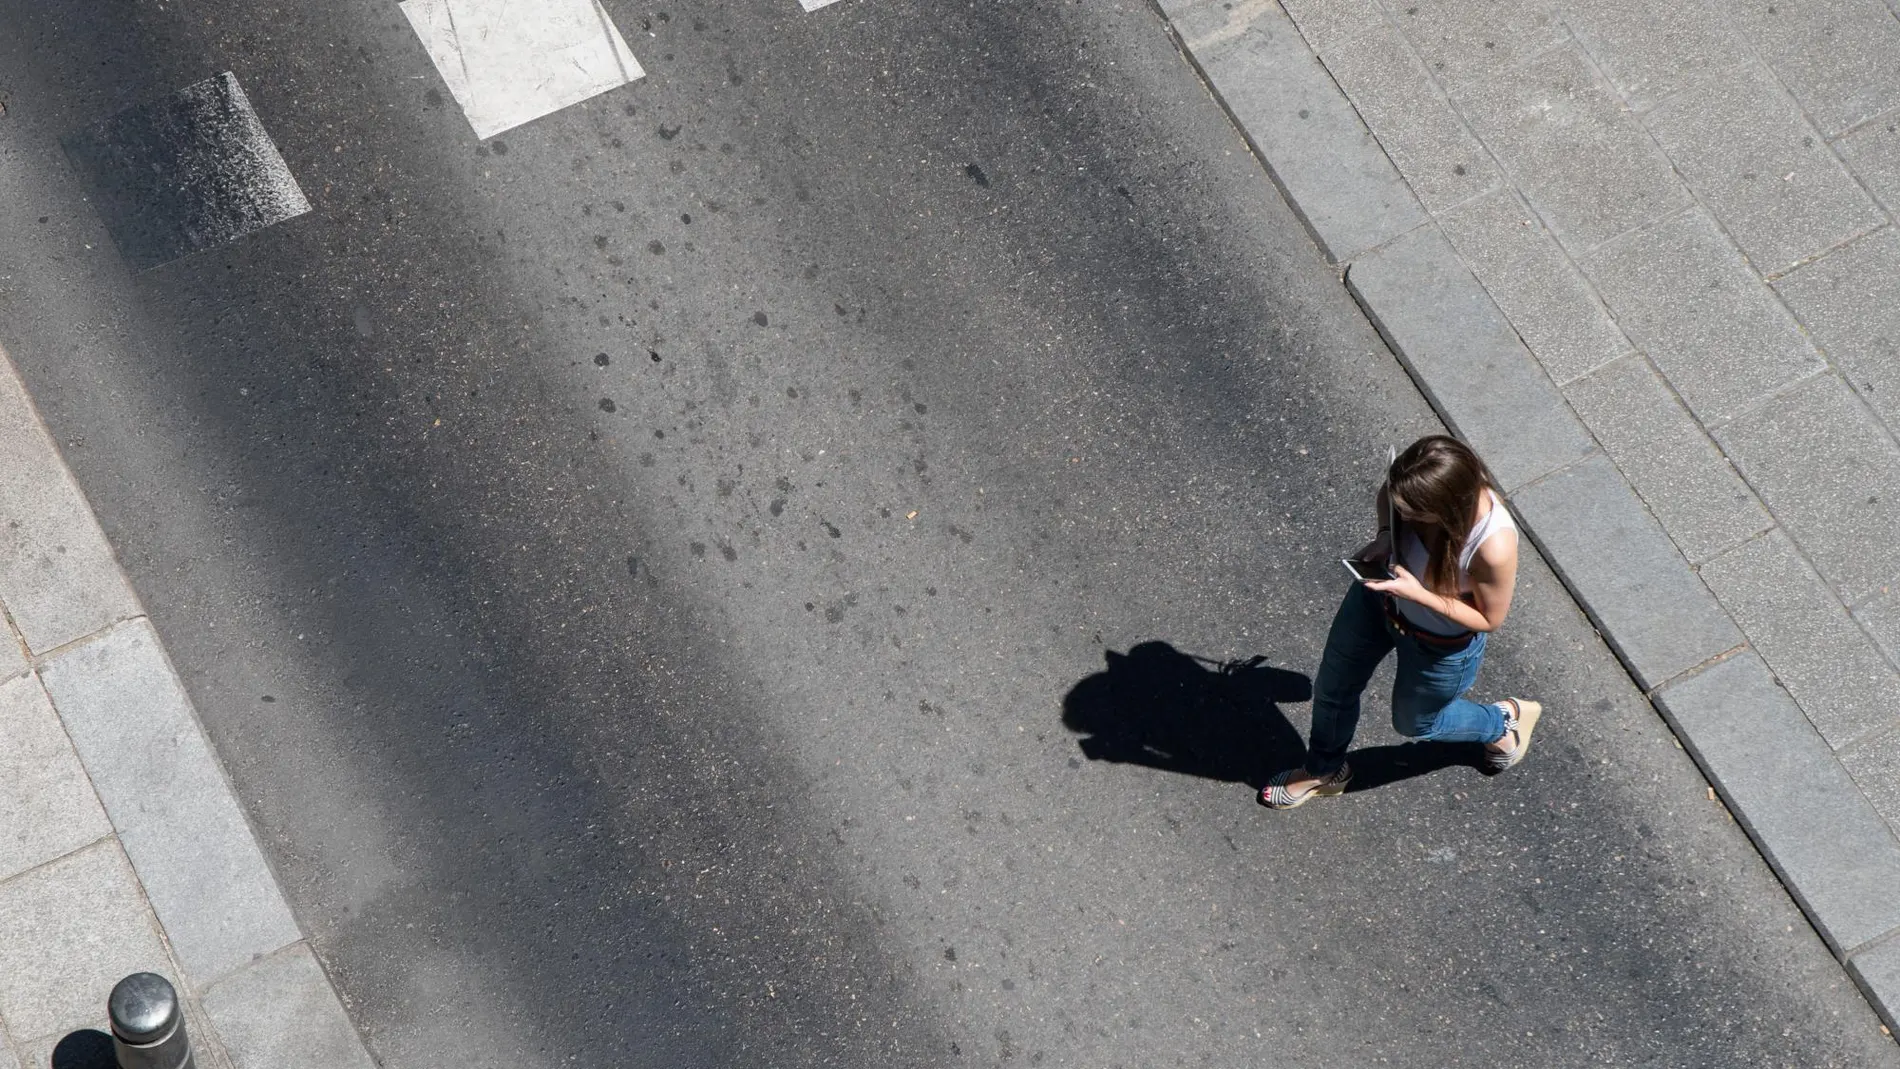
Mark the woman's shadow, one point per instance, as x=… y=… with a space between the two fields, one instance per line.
x=1162 y=708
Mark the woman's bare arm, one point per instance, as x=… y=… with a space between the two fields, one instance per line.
x=1494 y=578
x=1493 y=582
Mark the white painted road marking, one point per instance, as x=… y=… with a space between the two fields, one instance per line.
x=185 y=173
x=508 y=62
x=813 y=5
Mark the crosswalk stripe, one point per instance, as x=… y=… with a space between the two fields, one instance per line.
x=508 y=62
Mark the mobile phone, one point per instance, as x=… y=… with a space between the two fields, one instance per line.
x=1367 y=571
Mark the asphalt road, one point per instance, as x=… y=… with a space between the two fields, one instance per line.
x=668 y=583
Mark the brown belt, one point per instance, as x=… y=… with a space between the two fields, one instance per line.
x=1449 y=643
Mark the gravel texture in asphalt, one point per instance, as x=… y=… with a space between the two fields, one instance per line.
x=677 y=583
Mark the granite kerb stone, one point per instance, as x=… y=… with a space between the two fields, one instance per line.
x=280 y=1011
x=1542 y=293
x=1420 y=131
x=1877 y=970
x=1668 y=458
x=1325 y=161
x=1832 y=850
x=1465 y=357
x=1650 y=606
x=138 y=737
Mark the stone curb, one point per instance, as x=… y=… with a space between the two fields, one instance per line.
x=1835 y=854
x=255 y=995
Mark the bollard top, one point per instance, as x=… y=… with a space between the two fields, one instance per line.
x=143 y=1008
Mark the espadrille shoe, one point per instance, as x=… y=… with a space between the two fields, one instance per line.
x=1520 y=719
x=1275 y=794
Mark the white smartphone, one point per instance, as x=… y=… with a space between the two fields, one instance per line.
x=1367 y=571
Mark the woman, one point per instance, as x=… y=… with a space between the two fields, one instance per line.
x=1455 y=570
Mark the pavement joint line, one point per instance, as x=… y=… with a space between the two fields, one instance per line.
x=1885 y=116
x=1596 y=450
x=1619 y=238
x=23 y=873
x=37 y=660
x=1706 y=431
x=1239 y=18
x=1779 y=393
x=1769 y=688
x=1345 y=266
x=1696 y=670
x=1872 y=736
x=1777 y=276
x=1868 y=409
x=1892 y=935
x=1740 y=542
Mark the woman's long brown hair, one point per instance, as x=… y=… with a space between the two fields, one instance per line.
x=1435 y=485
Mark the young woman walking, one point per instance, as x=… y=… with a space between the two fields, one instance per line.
x=1454 y=569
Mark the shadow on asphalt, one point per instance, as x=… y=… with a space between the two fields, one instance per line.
x=1165 y=709
x=1157 y=706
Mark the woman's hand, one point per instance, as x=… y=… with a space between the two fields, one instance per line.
x=1408 y=587
x=1379 y=549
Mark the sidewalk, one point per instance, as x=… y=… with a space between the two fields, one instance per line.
x=1643 y=257
x=122 y=848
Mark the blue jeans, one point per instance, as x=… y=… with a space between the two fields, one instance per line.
x=1425 y=695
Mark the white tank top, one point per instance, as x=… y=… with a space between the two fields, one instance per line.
x=1414 y=556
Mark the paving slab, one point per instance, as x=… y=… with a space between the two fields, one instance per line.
x=1673 y=464
x=135 y=732
x=281 y=1013
x=1650 y=51
x=1546 y=298
x=1767 y=174
x=47 y=801
x=1327 y=24
x=1793 y=620
x=1850 y=302
x=7 y=1058
x=1832 y=850
x=1873 y=154
x=1421 y=132
x=1543 y=119
x=1463 y=40
x=1458 y=347
x=1613 y=555
x=69 y=930
x=1831 y=474
x=1875 y=765
x=1840 y=58
x=1333 y=172
x=1877 y=969
x=1683 y=294
x=58 y=577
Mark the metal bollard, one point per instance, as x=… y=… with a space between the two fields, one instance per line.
x=148 y=1024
